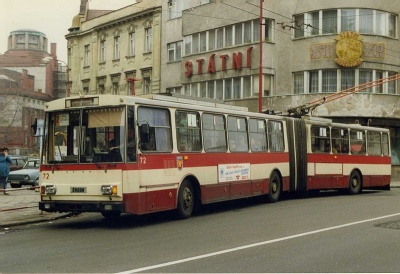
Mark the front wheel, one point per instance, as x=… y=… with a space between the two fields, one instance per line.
x=274 y=188
x=185 y=200
x=354 y=183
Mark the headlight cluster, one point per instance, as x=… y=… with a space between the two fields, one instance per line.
x=49 y=190
x=109 y=190
x=26 y=178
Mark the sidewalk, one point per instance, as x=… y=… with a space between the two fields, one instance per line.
x=22 y=207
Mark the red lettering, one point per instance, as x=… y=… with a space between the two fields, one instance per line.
x=237 y=61
x=248 y=64
x=200 y=66
x=211 y=64
x=188 y=68
x=224 y=57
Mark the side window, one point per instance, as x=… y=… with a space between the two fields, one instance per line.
x=320 y=139
x=237 y=131
x=188 y=132
x=258 y=135
x=340 y=140
x=214 y=132
x=154 y=129
x=385 y=144
x=357 y=141
x=374 y=143
x=276 y=140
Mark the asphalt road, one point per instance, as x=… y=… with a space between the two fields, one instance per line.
x=326 y=233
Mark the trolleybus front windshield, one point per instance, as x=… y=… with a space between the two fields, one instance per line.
x=86 y=136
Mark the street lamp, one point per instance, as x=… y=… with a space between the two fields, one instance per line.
x=48 y=59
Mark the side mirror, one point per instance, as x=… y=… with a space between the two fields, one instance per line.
x=34 y=127
x=37 y=127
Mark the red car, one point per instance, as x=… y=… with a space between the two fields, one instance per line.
x=18 y=162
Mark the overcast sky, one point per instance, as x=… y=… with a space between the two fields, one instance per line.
x=51 y=17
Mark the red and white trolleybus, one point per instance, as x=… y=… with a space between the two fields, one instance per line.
x=113 y=154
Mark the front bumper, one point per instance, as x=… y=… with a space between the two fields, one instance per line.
x=66 y=206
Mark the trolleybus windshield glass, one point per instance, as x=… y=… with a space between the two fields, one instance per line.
x=90 y=135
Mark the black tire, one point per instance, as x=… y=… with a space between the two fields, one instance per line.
x=186 y=200
x=111 y=215
x=354 y=183
x=275 y=187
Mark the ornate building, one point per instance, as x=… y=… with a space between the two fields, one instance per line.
x=211 y=49
x=26 y=83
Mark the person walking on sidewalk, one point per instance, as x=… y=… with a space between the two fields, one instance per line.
x=5 y=161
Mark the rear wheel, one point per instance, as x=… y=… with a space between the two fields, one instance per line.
x=185 y=200
x=274 y=188
x=354 y=183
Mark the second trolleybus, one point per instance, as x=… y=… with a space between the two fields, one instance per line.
x=122 y=154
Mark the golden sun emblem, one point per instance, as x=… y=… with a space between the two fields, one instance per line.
x=349 y=49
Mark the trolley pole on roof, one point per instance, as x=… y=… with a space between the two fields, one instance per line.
x=260 y=74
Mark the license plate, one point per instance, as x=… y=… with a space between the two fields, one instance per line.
x=15 y=182
x=78 y=189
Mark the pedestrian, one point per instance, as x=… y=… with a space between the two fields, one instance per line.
x=5 y=161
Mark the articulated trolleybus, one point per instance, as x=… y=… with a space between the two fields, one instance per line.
x=122 y=154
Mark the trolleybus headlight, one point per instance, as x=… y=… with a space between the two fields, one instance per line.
x=51 y=189
x=109 y=190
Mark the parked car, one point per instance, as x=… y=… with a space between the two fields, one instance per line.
x=18 y=162
x=28 y=175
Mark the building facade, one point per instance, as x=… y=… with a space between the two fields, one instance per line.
x=212 y=49
x=27 y=82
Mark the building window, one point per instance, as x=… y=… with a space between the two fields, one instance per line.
x=348 y=19
x=188 y=45
x=329 y=21
x=348 y=79
x=132 y=44
x=313 y=83
x=116 y=48
x=379 y=88
x=298 y=26
x=101 y=81
x=329 y=81
x=115 y=88
x=365 y=21
x=203 y=41
x=365 y=76
x=239 y=34
x=195 y=43
x=87 y=56
x=298 y=82
x=33 y=40
x=147 y=85
x=175 y=8
x=228 y=36
x=148 y=40
x=103 y=51
x=174 y=51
